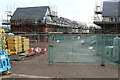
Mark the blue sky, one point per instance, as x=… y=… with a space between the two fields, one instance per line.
x=80 y=10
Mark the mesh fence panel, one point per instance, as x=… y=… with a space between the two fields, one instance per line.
x=84 y=48
x=77 y=48
x=107 y=48
x=72 y=48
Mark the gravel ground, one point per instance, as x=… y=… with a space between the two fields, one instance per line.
x=39 y=66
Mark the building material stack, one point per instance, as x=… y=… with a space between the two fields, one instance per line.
x=1 y=38
x=15 y=44
x=4 y=42
x=25 y=44
x=1 y=43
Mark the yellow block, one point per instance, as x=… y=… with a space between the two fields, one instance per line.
x=26 y=48
x=17 y=42
x=14 y=50
x=14 y=38
x=11 y=52
x=23 y=37
x=25 y=40
x=24 y=43
x=13 y=45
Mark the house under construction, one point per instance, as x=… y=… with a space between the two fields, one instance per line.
x=40 y=20
x=110 y=21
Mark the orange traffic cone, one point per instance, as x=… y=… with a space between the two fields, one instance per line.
x=45 y=50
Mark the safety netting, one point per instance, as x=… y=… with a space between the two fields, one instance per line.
x=84 y=48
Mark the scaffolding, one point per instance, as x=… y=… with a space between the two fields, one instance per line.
x=107 y=19
x=64 y=46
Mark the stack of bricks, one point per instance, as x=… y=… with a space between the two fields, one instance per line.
x=15 y=43
x=25 y=44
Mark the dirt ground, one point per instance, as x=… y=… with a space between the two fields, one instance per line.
x=39 y=67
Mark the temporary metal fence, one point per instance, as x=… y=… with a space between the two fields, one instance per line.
x=77 y=48
x=84 y=48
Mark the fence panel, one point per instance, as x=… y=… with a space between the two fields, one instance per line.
x=84 y=48
x=72 y=48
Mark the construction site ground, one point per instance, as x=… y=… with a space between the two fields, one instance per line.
x=38 y=67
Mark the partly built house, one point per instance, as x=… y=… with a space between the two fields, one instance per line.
x=40 y=20
x=110 y=21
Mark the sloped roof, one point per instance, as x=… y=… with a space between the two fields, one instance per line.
x=65 y=21
x=110 y=8
x=60 y=20
x=30 y=13
x=68 y=21
x=56 y=19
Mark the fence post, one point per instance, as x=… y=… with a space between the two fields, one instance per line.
x=103 y=41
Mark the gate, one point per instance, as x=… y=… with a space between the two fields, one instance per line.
x=84 y=48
